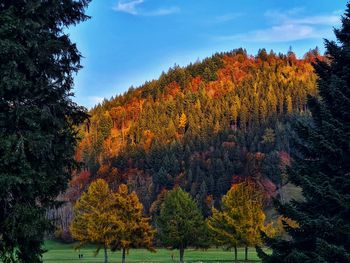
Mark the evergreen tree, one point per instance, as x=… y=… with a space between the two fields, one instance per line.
x=180 y=222
x=322 y=167
x=37 y=118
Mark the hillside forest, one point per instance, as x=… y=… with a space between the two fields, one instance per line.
x=202 y=127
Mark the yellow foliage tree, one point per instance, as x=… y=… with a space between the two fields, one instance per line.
x=241 y=219
x=110 y=219
x=91 y=217
x=183 y=121
x=132 y=229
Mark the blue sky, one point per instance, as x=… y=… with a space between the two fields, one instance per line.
x=127 y=42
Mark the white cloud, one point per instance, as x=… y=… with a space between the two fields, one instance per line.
x=287 y=18
x=163 y=11
x=95 y=100
x=289 y=26
x=281 y=33
x=132 y=7
x=128 y=6
x=317 y=20
x=227 y=17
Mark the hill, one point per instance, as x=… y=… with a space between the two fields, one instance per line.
x=202 y=127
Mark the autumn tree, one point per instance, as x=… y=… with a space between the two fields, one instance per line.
x=132 y=229
x=321 y=167
x=180 y=222
x=92 y=222
x=241 y=218
x=182 y=121
x=110 y=219
x=182 y=129
x=37 y=118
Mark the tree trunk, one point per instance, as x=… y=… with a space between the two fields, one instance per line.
x=123 y=256
x=106 y=255
x=235 y=249
x=182 y=252
x=246 y=254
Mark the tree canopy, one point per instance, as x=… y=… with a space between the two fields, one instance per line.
x=197 y=126
x=241 y=219
x=321 y=166
x=38 y=118
x=111 y=219
x=180 y=222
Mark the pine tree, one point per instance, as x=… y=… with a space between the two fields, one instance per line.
x=322 y=167
x=180 y=222
x=37 y=118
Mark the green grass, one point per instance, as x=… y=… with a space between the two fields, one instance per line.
x=58 y=252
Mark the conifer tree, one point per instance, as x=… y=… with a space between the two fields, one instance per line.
x=180 y=222
x=92 y=217
x=241 y=219
x=111 y=220
x=37 y=118
x=321 y=167
x=131 y=230
x=182 y=121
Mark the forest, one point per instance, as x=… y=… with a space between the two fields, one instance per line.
x=233 y=152
x=201 y=127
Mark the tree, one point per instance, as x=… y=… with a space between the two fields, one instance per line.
x=37 y=118
x=92 y=214
x=182 y=121
x=105 y=125
x=321 y=167
x=134 y=230
x=241 y=219
x=180 y=222
x=111 y=219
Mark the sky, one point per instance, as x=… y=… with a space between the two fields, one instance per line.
x=127 y=42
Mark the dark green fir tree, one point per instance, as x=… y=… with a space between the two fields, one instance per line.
x=37 y=118
x=322 y=167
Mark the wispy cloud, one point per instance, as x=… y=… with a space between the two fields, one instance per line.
x=281 y=33
x=133 y=7
x=129 y=7
x=287 y=18
x=94 y=100
x=289 y=26
x=163 y=11
x=227 y=17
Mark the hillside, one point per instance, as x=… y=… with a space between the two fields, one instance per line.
x=201 y=127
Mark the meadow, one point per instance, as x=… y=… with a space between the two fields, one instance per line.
x=59 y=252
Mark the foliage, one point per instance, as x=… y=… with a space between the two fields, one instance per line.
x=111 y=219
x=242 y=218
x=180 y=222
x=196 y=126
x=93 y=213
x=37 y=118
x=321 y=167
x=132 y=230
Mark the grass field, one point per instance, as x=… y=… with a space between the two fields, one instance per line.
x=58 y=252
